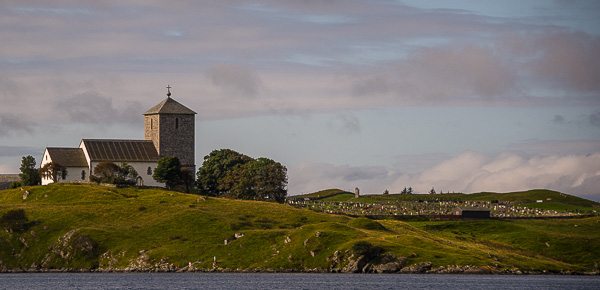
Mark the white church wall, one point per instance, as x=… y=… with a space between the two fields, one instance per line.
x=74 y=174
x=142 y=169
x=45 y=160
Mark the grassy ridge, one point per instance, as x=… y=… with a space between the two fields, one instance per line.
x=147 y=226
x=520 y=196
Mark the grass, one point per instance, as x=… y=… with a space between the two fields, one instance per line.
x=560 y=207
x=519 y=197
x=179 y=228
x=324 y=193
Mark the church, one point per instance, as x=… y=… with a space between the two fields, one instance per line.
x=168 y=131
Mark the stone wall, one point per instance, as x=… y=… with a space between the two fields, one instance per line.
x=177 y=138
x=151 y=125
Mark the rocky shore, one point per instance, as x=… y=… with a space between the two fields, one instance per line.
x=388 y=268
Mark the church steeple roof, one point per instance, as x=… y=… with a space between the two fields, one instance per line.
x=170 y=106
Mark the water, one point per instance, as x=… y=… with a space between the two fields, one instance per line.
x=289 y=281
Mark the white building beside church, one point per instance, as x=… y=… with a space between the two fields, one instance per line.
x=168 y=131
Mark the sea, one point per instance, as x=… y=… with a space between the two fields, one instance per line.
x=231 y=281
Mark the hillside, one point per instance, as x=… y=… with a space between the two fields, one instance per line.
x=520 y=196
x=81 y=226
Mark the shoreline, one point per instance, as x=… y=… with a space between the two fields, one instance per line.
x=471 y=270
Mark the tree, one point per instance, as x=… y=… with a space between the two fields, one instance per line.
x=108 y=172
x=260 y=179
x=127 y=172
x=386 y=192
x=230 y=174
x=168 y=171
x=215 y=168
x=29 y=174
x=53 y=170
x=432 y=191
x=410 y=190
x=187 y=178
x=105 y=172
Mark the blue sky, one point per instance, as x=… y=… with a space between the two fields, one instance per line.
x=462 y=96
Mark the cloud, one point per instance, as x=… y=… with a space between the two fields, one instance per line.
x=345 y=124
x=9 y=151
x=468 y=172
x=558 y=119
x=12 y=124
x=440 y=74
x=569 y=59
x=594 y=118
x=557 y=147
x=92 y=108
x=8 y=169
x=310 y=177
x=237 y=79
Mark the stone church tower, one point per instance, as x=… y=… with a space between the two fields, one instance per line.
x=171 y=125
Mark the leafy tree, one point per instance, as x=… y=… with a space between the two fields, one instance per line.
x=108 y=172
x=168 y=171
x=231 y=174
x=215 y=168
x=29 y=174
x=53 y=171
x=260 y=179
x=105 y=172
x=187 y=178
x=127 y=172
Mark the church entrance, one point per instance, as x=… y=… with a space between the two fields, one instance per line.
x=139 y=181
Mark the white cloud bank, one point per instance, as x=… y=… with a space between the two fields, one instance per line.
x=468 y=172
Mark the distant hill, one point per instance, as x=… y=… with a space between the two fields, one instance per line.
x=81 y=226
x=323 y=194
x=520 y=196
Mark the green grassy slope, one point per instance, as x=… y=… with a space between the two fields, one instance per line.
x=521 y=196
x=327 y=193
x=88 y=226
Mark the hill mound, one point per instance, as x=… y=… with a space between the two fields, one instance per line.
x=82 y=226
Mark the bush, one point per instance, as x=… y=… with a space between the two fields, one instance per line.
x=85 y=246
x=14 y=184
x=108 y=172
x=14 y=219
x=366 y=249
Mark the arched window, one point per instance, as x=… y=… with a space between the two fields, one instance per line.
x=64 y=174
x=176 y=123
x=82 y=174
x=149 y=170
x=151 y=125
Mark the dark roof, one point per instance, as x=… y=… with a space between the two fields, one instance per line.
x=170 y=106
x=463 y=208
x=68 y=157
x=121 y=150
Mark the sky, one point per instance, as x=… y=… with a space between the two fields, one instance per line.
x=459 y=96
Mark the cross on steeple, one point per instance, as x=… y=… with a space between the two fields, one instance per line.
x=168 y=90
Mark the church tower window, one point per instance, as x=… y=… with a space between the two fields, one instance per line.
x=149 y=170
